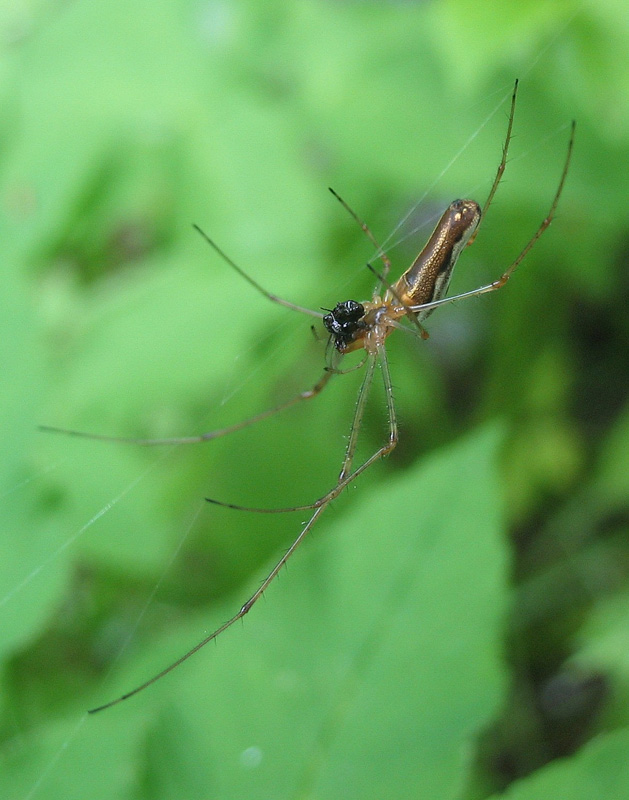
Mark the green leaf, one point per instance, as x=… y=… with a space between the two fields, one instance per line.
x=368 y=669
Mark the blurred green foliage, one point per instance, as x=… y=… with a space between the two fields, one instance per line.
x=459 y=618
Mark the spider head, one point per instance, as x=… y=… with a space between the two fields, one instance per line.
x=344 y=323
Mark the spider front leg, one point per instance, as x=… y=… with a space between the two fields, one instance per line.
x=503 y=162
x=502 y=280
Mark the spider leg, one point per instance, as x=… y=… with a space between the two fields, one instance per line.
x=501 y=281
x=337 y=371
x=347 y=460
x=417 y=334
x=421 y=331
x=501 y=166
x=273 y=297
x=381 y=254
x=209 y=435
x=319 y=507
x=359 y=412
x=346 y=477
x=239 y=615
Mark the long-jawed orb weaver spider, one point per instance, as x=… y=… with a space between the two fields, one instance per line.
x=354 y=326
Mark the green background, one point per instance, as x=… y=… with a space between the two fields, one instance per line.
x=457 y=622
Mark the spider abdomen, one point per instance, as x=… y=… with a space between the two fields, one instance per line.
x=427 y=279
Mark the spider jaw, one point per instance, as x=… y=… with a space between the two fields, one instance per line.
x=345 y=324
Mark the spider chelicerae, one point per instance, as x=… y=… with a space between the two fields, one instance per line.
x=366 y=325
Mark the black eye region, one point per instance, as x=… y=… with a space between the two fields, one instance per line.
x=344 y=321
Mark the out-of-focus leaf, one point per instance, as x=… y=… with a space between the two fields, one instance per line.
x=372 y=665
x=600 y=770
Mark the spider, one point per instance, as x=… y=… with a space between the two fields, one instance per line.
x=353 y=326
